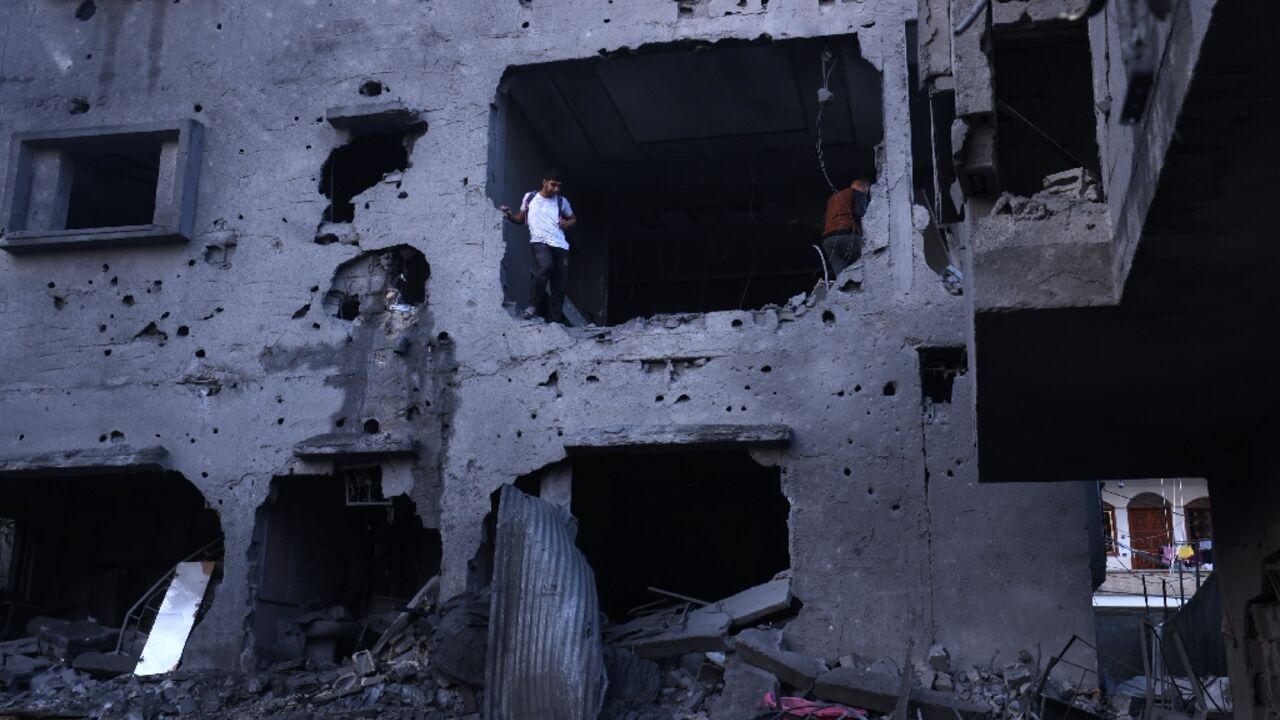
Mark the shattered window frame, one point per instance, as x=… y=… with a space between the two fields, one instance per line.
x=40 y=179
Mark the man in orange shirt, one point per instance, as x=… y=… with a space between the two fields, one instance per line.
x=842 y=232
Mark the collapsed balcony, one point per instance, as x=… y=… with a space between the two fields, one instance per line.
x=693 y=169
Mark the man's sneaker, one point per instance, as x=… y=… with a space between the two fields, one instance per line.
x=529 y=313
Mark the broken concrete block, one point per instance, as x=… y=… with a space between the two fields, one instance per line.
x=757 y=602
x=375 y=117
x=924 y=675
x=363 y=663
x=939 y=659
x=878 y=692
x=885 y=666
x=63 y=640
x=1075 y=183
x=763 y=648
x=1017 y=675
x=105 y=665
x=334 y=446
x=944 y=682
x=702 y=630
x=859 y=688
x=744 y=689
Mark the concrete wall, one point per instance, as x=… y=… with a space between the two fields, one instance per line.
x=891 y=537
x=1246 y=513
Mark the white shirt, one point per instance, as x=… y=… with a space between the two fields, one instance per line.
x=543 y=216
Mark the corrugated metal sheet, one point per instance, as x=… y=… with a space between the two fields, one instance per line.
x=546 y=657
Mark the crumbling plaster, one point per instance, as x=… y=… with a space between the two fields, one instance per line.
x=871 y=569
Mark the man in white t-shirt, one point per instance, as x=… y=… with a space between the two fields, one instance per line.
x=548 y=215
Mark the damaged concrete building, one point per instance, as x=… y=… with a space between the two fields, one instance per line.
x=258 y=297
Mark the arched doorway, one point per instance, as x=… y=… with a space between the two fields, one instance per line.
x=1150 y=530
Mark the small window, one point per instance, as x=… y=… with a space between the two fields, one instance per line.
x=103 y=187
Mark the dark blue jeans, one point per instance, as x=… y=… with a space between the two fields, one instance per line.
x=842 y=251
x=550 y=268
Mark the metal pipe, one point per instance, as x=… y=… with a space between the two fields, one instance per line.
x=972 y=17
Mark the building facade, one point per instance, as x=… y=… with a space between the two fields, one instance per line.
x=258 y=304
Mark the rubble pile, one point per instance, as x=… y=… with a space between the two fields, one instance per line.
x=675 y=659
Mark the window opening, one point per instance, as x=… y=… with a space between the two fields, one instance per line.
x=333 y=556
x=377 y=281
x=114 y=185
x=359 y=165
x=939 y=368
x=1044 y=100
x=102 y=187
x=723 y=519
x=90 y=547
x=691 y=168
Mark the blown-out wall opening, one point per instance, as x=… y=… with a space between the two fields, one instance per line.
x=701 y=523
x=693 y=168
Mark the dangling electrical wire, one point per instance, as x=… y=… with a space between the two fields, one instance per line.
x=824 y=96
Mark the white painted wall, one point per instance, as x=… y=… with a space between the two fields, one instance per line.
x=1178 y=492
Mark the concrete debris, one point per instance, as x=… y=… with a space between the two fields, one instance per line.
x=764 y=649
x=943 y=681
x=63 y=640
x=879 y=692
x=1018 y=675
x=1077 y=183
x=744 y=688
x=673 y=632
x=1021 y=208
x=757 y=602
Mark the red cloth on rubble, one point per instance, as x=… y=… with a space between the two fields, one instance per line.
x=800 y=708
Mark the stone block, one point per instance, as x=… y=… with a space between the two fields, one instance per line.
x=763 y=648
x=757 y=602
x=744 y=689
x=878 y=692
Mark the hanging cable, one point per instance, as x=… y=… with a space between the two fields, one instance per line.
x=824 y=97
x=826 y=276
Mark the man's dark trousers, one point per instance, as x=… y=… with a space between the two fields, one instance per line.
x=550 y=266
